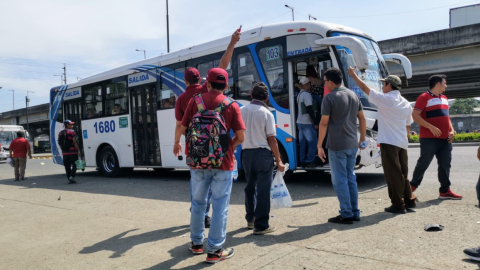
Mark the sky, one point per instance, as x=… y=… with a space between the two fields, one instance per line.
x=38 y=37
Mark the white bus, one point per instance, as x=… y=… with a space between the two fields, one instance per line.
x=125 y=116
x=7 y=134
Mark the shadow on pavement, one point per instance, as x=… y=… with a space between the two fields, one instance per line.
x=119 y=244
x=174 y=185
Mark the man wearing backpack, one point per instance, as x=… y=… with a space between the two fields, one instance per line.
x=207 y=175
x=193 y=81
x=67 y=139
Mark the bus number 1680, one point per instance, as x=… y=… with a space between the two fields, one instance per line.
x=104 y=127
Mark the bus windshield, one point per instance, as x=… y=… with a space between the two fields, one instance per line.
x=376 y=67
x=6 y=137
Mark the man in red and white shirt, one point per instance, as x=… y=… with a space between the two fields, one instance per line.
x=19 y=148
x=436 y=135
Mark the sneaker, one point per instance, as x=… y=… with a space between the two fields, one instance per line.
x=450 y=195
x=473 y=253
x=219 y=255
x=341 y=220
x=71 y=180
x=251 y=224
x=195 y=249
x=311 y=165
x=395 y=210
x=207 y=221
x=356 y=218
x=270 y=229
x=17 y=179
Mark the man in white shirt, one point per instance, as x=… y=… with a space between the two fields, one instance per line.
x=258 y=150
x=394 y=120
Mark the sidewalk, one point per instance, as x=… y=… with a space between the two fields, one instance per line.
x=455 y=144
x=42 y=156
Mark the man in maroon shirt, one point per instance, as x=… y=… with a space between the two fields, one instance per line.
x=193 y=79
x=20 y=147
x=218 y=180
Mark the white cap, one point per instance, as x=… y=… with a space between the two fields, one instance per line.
x=304 y=80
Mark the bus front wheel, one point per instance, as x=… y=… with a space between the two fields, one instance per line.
x=109 y=165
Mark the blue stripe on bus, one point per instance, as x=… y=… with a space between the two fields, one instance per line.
x=264 y=79
x=289 y=147
x=56 y=102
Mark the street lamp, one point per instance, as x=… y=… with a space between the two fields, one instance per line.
x=13 y=104
x=144 y=53
x=61 y=78
x=27 y=100
x=293 y=18
x=168 y=34
x=310 y=16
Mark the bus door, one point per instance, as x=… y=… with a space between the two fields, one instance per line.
x=144 y=125
x=73 y=112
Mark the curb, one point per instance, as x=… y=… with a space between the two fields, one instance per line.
x=49 y=157
x=455 y=144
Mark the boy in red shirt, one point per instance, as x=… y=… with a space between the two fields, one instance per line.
x=20 y=147
x=436 y=136
x=218 y=180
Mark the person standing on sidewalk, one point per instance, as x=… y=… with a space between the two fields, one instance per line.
x=307 y=123
x=340 y=111
x=436 y=136
x=474 y=253
x=19 y=148
x=257 y=160
x=220 y=179
x=72 y=150
x=193 y=81
x=394 y=120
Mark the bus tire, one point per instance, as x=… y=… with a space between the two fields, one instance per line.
x=288 y=174
x=108 y=163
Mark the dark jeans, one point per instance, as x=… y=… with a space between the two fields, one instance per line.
x=258 y=166
x=442 y=150
x=478 y=191
x=70 y=166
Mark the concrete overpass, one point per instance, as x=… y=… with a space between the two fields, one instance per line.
x=454 y=52
x=37 y=119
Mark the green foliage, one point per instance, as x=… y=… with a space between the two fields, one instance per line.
x=463 y=106
x=458 y=137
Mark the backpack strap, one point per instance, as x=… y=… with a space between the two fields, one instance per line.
x=199 y=101
x=224 y=104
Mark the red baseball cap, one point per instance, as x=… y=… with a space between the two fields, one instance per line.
x=191 y=74
x=217 y=75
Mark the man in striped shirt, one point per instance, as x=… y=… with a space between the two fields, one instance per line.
x=436 y=135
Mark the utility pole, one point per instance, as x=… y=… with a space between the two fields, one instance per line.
x=27 y=100
x=65 y=73
x=13 y=104
x=168 y=35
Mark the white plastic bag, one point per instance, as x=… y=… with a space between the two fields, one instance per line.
x=10 y=161
x=279 y=195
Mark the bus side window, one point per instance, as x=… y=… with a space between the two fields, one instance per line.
x=247 y=75
x=93 y=100
x=272 y=62
x=116 y=98
x=166 y=98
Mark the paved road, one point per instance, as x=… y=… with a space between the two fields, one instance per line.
x=141 y=222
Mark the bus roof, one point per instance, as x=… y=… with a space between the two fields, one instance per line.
x=10 y=128
x=248 y=37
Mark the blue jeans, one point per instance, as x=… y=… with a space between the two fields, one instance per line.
x=440 y=148
x=308 y=143
x=345 y=181
x=220 y=183
x=258 y=166
x=209 y=199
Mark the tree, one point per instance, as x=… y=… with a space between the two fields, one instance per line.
x=463 y=106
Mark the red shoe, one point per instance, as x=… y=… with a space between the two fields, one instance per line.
x=450 y=195
x=413 y=188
